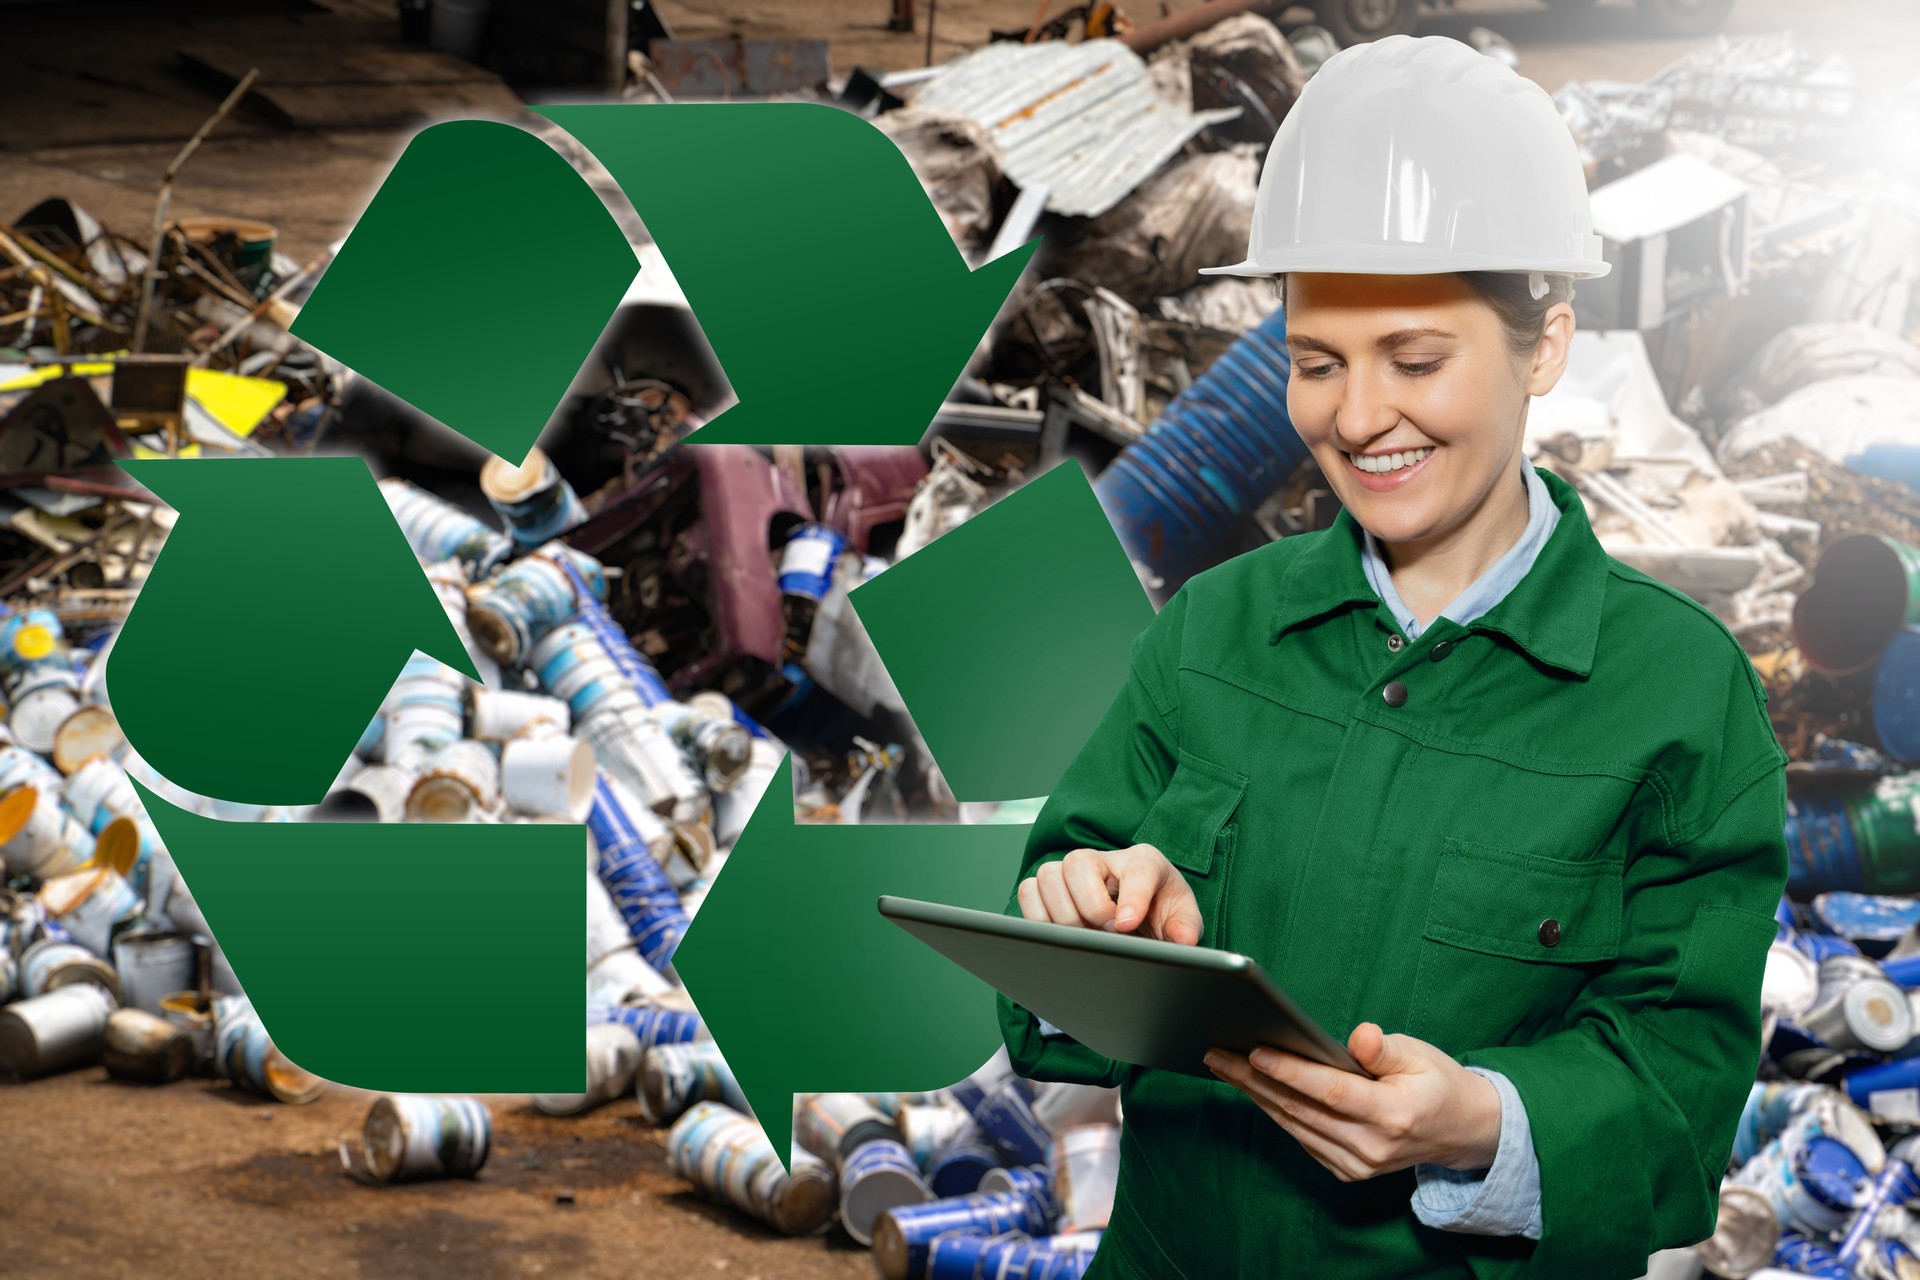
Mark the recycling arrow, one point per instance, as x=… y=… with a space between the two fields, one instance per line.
x=411 y=957
x=476 y=283
x=277 y=616
x=1034 y=599
x=806 y=987
x=831 y=291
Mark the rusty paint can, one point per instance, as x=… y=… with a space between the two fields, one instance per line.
x=140 y=1046
x=246 y=1055
x=90 y=733
x=53 y=962
x=410 y=1135
x=457 y=783
x=51 y=1032
x=91 y=904
x=193 y=1015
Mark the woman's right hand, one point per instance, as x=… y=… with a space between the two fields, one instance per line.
x=1119 y=890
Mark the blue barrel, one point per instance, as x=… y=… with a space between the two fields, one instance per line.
x=1179 y=496
x=635 y=881
x=1896 y=696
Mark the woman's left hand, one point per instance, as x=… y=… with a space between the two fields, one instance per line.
x=1424 y=1107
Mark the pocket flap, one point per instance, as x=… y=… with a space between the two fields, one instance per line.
x=1495 y=900
x=1185 y=822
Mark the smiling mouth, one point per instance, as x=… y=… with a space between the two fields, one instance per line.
x=1388 y=463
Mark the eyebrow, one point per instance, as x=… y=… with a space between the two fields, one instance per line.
x=1385 y=342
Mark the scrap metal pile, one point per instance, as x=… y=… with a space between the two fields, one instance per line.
x=659 y=624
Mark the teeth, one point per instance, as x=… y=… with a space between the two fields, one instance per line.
x=1389 y=461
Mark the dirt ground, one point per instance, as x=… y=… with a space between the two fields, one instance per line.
x=100 y=1178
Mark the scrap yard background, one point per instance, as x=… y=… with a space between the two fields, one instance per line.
x=1743 y=398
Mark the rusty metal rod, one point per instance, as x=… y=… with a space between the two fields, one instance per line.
x=166 y=197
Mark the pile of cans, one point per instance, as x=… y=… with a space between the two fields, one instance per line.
x=1822 y=1180
x=996 y=1176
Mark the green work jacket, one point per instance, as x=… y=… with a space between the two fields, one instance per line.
x=1593 y=750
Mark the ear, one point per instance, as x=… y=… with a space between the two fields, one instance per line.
x=1549 y=359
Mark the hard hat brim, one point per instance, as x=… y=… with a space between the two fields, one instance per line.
x=1375 y=263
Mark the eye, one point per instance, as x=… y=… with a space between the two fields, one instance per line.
x=1315 y=371
x=1417 y=370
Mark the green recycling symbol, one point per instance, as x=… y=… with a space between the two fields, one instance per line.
x=424 y=958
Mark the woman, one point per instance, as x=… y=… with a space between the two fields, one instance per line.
x=1502 y=812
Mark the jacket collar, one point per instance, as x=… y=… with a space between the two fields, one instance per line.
x=1553 y=612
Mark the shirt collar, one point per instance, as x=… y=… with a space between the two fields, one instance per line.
x=1553 y=612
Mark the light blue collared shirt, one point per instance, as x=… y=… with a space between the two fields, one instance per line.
x=1504 y=1198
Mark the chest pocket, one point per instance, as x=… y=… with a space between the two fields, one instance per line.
x=1194 y=824
x=1510 y=939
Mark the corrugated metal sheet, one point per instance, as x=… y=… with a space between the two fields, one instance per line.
x=1081 y=118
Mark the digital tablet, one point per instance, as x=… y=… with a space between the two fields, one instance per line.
x=1139 y=1000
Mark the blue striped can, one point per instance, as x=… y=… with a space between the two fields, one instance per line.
x=806 y=561
x=672 y=1077
x=958 y=1167
x=1058 y=1257
x=728 y=1159
x=1810 y=1182
x=904 y=1236
x=1035 y=1180
x=438 y=530
x=1776 y=1106
x=426 y=1136
x=533 y=498
x=530 y=597
x=636 y=882
x=1006 y=1117
x=594 y=616
x=1011 y=1256
x=874 y=1177
x=1894 y=1185
x=654 y=1024
x=1809 y=1257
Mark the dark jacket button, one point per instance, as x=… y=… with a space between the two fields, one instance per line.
x=1440 y=650
x=1549 y=931
x=1394 y=642
x=1395 y=693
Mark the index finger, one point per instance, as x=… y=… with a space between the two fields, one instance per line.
x=1333 y=1088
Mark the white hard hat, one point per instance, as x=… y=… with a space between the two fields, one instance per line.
x=1417 y=155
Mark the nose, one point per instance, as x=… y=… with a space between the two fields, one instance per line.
x=1363 y=413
